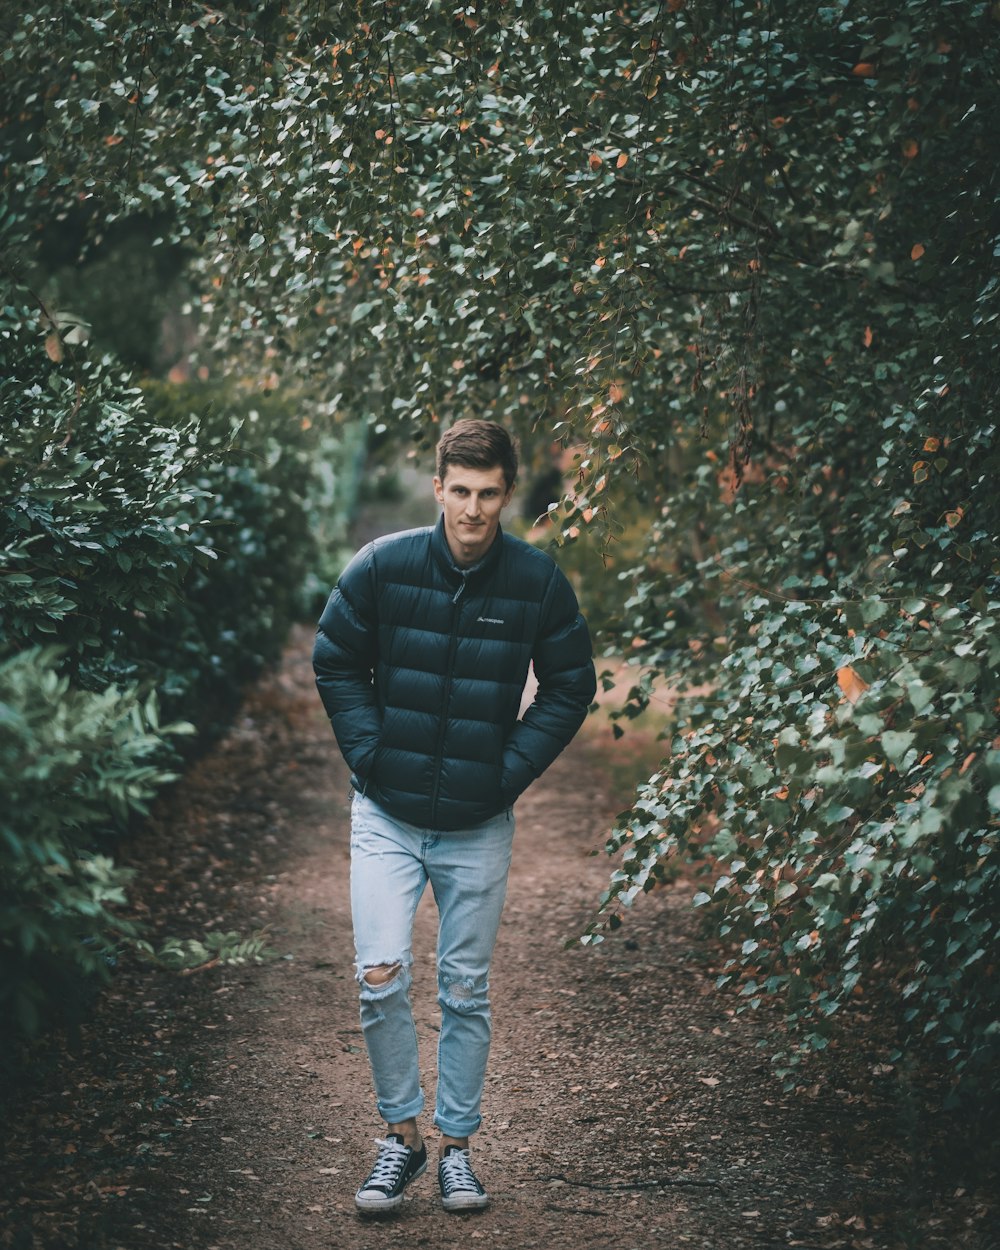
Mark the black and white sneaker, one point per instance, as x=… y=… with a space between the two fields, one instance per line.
x=460 y=1190
x=395 y=1166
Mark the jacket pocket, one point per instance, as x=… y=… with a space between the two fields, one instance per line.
x=366 y=771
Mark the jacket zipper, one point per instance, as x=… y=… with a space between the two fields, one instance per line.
x=449 y=676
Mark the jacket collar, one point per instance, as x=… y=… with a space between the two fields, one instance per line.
x=456 y=572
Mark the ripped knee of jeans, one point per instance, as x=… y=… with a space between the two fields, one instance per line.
x=380 y=980
x=462 y=993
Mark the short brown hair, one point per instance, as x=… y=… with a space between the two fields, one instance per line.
x=478 y=444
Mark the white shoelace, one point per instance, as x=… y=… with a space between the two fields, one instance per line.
x=457 y=1173
x=389 y=1164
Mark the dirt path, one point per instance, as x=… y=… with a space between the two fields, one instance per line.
x=626 y=1104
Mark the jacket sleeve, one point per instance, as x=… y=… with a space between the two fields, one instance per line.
x=344 y=658
x=563 y=662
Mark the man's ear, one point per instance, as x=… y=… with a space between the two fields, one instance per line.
x=510 y=494
x=438 y=490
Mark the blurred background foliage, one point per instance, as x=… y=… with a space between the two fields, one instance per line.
x=730 y=270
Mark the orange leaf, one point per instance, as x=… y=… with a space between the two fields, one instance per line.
x=852 y=687
x=910 y=149
x=595 y=161
x=622 y=160
x=53 y=347
x=868 y=336
x=916 y=251
x=951 y=519
x=781 y=792
x=932 y=444
x=614 y=451
x=864 y=69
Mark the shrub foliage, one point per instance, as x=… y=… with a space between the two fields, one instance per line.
x=740 y=259
x=155 y=544
x=72 y=762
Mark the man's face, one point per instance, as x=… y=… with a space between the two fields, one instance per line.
x=472 y=500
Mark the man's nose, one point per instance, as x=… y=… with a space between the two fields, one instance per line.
x=472 y=507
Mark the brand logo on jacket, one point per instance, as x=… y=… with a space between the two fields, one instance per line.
x=490 y=620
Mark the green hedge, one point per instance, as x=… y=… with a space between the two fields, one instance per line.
x=249 y=521
x=73 y=763
x=154 y=547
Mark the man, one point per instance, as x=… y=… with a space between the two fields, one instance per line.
x=421 y=658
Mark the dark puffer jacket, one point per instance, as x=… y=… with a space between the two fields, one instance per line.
x=421 y=665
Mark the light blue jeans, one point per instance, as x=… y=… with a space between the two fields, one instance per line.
x=391 y=863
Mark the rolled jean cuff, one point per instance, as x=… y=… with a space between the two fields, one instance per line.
x=453 y=1128
x=408 y=1111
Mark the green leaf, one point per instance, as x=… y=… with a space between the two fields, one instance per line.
x=896 y=744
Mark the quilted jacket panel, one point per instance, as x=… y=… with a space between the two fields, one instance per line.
x=421 y=666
